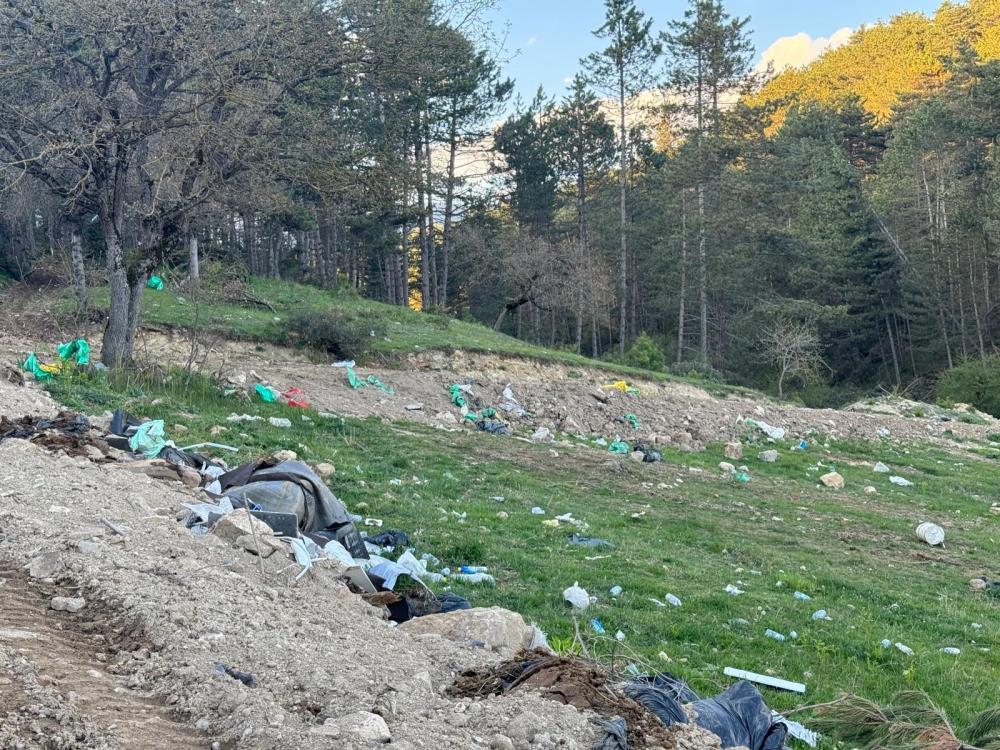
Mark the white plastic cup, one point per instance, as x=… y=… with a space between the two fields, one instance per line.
x=930 y=533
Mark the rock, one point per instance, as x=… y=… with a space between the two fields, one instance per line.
x=637 y=456
x=523 y=727
x=237 y=378
x=45 y=565
x=881 y=468
x=67 y=603
x=160 y=469
x=93 y=453
x=768 y=456
x=325 y=470
x=218 y=430
x=869 y=490
x=542 y=435
x=279 y=422
x=500 y=629
x=499 y=742
x=833 y=479
x=365 y=726
x=601 y=396
x=445 y=417
x=239 y=528
x=180 y=428
x=328 y=728
x=285 y=455
x=90 y=548
x=726 y=468
x=569 y=425
x=734 y=450
x=414 y=407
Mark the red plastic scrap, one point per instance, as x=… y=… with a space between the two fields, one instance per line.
x=296 y=397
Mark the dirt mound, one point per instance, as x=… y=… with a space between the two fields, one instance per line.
x=585 y=685
x=198 y=611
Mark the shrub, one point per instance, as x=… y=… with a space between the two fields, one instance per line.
x=975 y=382
x=343 y=336
x=697 y=371
x=645 y=354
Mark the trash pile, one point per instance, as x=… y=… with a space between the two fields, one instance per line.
x=645 y=711
x=75 y=352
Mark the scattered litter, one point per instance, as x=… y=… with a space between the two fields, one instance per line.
x=509 y=404
x=802 y=446
x=493 y=426
x=155 y=283
x=775 y=433
x=768 y=456
x=376 y=522
x=220 y=446
x=796 y=730
x=552 y=523
x=542 y=435
x=296 y=397
x=345 y=363
x=620 y=447
x=279 y=422
x=900 y=481
x=886 y=643
x=149 y=439
x=881 y=468
x=904 y=649
x=577 y=596
x=763 y=679
x=951 y=651
x=774 y=635
x=267 y=394
x=632 y=420
x=597 y=626
x=585 y=541
x=473 y=578
x=657 y=602
x=930 y=533
x=739 y=622
x=536 y=511
x=802 y=597
x=820 y=614
x=619 y=636
x=672 y=600
x=244 y=418
x=731 y=589
x=616 y=591
x=622 y=387
x=245 y=677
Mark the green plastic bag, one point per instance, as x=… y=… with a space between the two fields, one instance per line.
x=633 y=420
x=78 y=350
x=267 y=395
x=353 y=380
x=457 y=395
x=372 y=380
x=32 y=365
x=619 y=446
x=155 y=283
x=149 y=439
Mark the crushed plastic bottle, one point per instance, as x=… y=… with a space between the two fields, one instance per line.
x=739 y=622
x=886 y=643
x=536 y=511
x=904 y=649
x=470 y=569
x=619 y=636
x=820 y=614
x=731 y=589
x=802 y=597
x=673 y=600
x=597 y=626
x=616 y=591
x=774 y=635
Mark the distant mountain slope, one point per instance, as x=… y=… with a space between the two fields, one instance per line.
x=885 y=61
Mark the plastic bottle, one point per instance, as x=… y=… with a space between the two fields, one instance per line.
x=474 y=577
x=469 y=569
x=671 y=599
x=802 y=597
x=774 y=635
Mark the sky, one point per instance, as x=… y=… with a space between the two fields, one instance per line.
x=547 y=38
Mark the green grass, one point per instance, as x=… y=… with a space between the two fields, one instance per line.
x=407 y=331
x=854 y=553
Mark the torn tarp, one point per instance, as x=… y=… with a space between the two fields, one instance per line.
x=739 y=716
x=509 y=404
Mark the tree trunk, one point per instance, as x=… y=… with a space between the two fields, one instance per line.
x=702 y=277
x=892 y=348
x=681 y=311
x=79 y=269
x=194 y=269
x=449 y=205
x=623 y=217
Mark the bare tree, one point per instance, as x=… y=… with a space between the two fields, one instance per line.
x=793 y=348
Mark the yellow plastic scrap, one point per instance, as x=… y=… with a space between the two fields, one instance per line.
x=52 y=369
x=621 y=386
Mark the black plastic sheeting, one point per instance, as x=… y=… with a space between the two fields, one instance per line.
x=739 y=716
x=615 y=735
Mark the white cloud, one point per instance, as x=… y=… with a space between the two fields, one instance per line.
x=801 y=49
x=531 y=42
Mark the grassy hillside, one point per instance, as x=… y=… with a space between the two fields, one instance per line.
x=406 y=330
x=679 y=527
x=883 y=62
